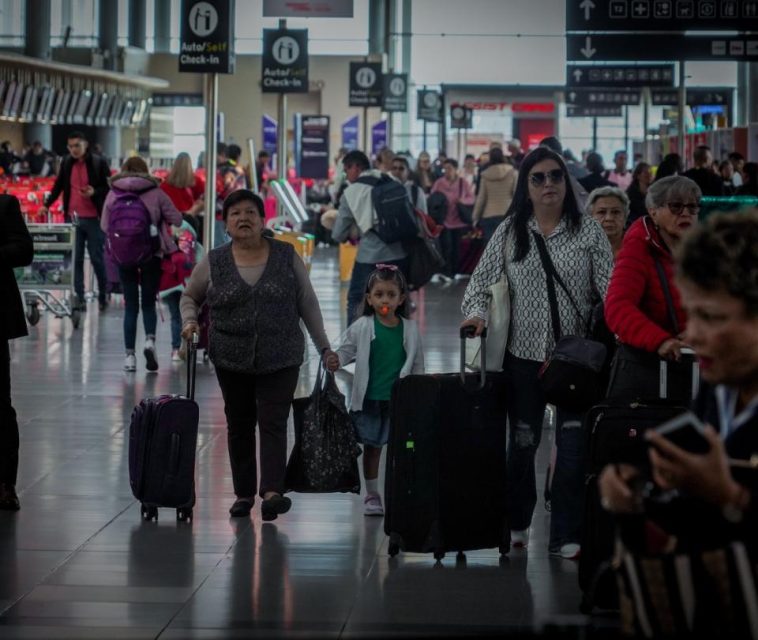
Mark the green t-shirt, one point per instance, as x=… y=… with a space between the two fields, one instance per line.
x=386 y=359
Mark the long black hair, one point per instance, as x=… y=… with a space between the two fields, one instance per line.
x=522 y=209
x=385 y=273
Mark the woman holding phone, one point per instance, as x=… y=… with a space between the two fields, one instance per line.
x=716 y=493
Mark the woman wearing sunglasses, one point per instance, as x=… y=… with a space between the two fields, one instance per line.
x=543 y=209
x=643 y=307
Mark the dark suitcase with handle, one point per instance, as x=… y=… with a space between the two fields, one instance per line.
x=615 y=433
x=445 y=476
x=162 y=444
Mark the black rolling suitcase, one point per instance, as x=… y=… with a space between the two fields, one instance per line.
x=162 y=443
x=445 y=476
x=615 y=433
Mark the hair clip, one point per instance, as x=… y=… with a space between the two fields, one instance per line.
x=387 y=267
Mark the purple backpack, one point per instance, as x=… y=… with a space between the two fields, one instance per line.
x=132 y=238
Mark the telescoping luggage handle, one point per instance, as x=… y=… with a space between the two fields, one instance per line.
x=468 y=332
x=663 y=375
x=192 y=364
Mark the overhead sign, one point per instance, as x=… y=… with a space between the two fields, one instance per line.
x=366 y=84
x=589 y=48
x=178 y=100
x=695 y=97
x=461 y=117
x=649 y=75
x=312 y=146
x=206 y=36
x=378 y=137
x=429 y=105
x=350 y=133
x=285 y=61
x=589 y=97
x=308 y=9
x=661 y=15
x=594 y=112
x=395 y=92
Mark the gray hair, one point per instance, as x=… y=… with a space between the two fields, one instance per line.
x=670 y=189
x=607 y=192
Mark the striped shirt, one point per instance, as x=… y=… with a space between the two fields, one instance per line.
x=584 y=261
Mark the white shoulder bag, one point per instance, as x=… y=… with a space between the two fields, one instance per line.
x=498 y=323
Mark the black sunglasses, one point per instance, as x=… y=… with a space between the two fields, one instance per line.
x=538 y=178
x=678 y=207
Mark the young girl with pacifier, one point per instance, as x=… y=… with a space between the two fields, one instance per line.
x=385 y=346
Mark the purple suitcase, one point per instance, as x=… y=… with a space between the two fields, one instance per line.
x=162 y=443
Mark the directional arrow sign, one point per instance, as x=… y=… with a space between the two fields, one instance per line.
x=663 y=15
x=696 y=97
x=633 y=47
x=587 y=51
x=606 y=97
x=621 y=76
x=594 y=112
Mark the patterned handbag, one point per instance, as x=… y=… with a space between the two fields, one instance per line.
x=324 y=458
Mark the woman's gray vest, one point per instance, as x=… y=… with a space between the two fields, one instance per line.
x=254 y=329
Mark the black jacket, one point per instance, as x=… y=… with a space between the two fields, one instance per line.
x=710 y=184
x=98 y=173
x=16 y=250
x=594 y=181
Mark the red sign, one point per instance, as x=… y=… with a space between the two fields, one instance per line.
x=515 y=107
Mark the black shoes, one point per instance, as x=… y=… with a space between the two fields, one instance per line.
x=241 y=507
x=271 y=508
x=8 y=498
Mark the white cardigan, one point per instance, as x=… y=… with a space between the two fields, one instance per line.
x=357 y=346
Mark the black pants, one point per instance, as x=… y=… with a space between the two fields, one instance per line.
x=451 y=248
x=8 y=422
x=265 y=399
x=88 y=233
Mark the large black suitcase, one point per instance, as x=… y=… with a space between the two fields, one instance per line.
x=445 y=476
x=615 y=433
x=162 y=444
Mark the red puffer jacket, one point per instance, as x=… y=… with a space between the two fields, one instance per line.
x=635 y=306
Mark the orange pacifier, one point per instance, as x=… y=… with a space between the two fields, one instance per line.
x=384 y=310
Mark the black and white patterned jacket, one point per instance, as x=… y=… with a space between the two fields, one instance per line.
x=584 y=261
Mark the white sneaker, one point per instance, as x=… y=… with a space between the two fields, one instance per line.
x=176 y=356
x=372 y=505
x=569 y=551
x=149 y=352
x=519 y=539
x=130 y=362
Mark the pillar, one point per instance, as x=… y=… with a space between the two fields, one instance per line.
x=162 y=26
x=108 y=32
x=37 y=45
x=137 y=20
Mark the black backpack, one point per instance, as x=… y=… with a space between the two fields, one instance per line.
x=395 y=217
x=436 y=205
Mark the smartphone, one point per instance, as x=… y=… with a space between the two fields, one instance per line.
x=687 y=432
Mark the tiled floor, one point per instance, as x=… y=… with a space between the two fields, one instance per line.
x=77 y=562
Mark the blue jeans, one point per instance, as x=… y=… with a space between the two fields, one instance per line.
x=357 y=291
x=88 y=232
x=172 y=302
x=147 y=277
x=526 y=412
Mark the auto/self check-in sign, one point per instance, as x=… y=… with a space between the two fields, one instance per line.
x=207 y=36
x=285 y=61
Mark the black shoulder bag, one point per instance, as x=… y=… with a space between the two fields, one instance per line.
x=572 y=375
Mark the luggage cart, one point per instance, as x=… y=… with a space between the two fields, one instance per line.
x=49 y=279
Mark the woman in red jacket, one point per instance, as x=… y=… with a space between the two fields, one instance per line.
x=643 y=307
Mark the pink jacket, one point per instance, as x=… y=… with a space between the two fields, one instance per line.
x=457 y=191
x=162 y=211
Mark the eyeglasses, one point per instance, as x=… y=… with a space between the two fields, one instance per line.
x=386 y=267
x=538 y=178
x=677 y=208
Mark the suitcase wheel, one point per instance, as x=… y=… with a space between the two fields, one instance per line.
x=183 y=515
x=504 y=550
x=393 y=549
x=149 y=513
x=439 y=555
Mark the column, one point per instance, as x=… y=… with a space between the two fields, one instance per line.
x=109 y=137
x=137 y=15
x=37 y=45
x=406 y=120
x=162 y=26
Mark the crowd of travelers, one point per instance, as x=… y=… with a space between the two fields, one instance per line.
x=626 y=247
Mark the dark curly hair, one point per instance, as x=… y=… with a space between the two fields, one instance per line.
x=522 y=208
x=722 y=255
x=384 y=273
